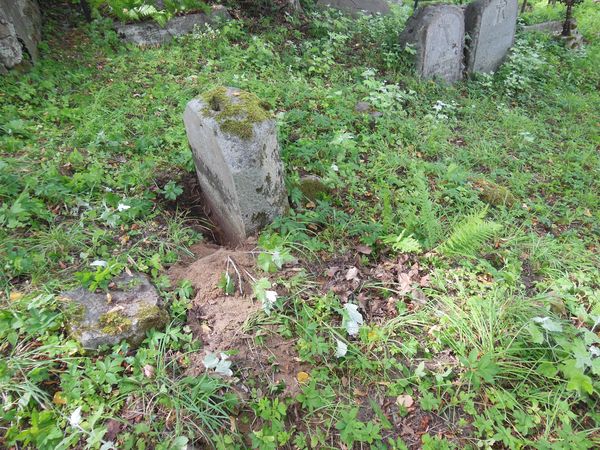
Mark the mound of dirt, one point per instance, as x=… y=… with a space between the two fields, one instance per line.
x=216 y=318
x=223 y=322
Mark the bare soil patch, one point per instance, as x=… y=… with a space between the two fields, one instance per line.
x=225 y=322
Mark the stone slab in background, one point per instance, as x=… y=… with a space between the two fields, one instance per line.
x=491 y=26
x=20 y=32
x=131 y=308
x=356 y=7
x=150 y=34
x=552 y=27
x=236 y=152
x=437 y=33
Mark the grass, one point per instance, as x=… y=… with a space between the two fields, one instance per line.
x=494 y=340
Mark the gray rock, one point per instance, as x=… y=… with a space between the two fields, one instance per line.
x=150 y=34
x=11 y=52
x=313 y=188
x=491 y=26
x=20 y=31
x=236 y=152
x=552 y=27
x=127 y=312
x=437 y=33
x=356 y=7
x=144 y=34
x=362 y=107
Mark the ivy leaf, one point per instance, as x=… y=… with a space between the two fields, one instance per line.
x=582 y=355
x=547 y=369
x=548 y=324
x=265 y=262
x=536 y=335
x=580 y=382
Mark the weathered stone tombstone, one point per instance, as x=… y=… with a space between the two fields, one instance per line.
x=491 y=26
x=126 y=312
x=151 y=34
x=356 y=7
x=437 y=33
x=236 y=152
x=20 y=32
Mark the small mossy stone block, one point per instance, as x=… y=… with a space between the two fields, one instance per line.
x=493 y=193
x=126 y=312
x=313 y=188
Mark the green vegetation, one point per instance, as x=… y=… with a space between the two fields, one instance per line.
x=445 y=292
x=237 y=113
x=138 y=10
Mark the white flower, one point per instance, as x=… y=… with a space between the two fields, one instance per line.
x=335 y=168
x=75 y=418
x=122 y=207
x=342 y=349
x=99 y=263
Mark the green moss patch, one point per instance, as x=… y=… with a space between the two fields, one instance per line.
x=236 y=113
x=114 y=323
x=493 y=193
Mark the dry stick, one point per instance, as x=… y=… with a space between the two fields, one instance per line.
x=230 y=259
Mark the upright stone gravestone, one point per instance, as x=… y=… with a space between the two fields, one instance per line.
x=356 y=7
x=20 y=32
x=437 y=33
x=236 y=152
x=491 y=26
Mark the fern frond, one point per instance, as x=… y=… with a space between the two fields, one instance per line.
x=469 y=235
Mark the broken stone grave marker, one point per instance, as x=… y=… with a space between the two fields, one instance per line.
x=234 y=143
x=437 y=33
x=356 y=7
x=491 y=26
x=126 y=312
x=151 y=34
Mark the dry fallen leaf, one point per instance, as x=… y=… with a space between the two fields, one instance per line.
x=58 y=398
x=352 y=274
x=364 y=249
x=302 y=377
x=148 y=371
x=14 y=296
x=405 y=400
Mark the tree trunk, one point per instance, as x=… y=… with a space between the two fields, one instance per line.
x=85 y=8
x=566 y=31
x=523 y=6
x=294 y=6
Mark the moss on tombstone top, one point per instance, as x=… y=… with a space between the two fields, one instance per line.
x=236 y=112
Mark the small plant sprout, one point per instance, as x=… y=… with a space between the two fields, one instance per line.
x=403 y=244
x=262 y=293
x=172 y=190
x=227 y=284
